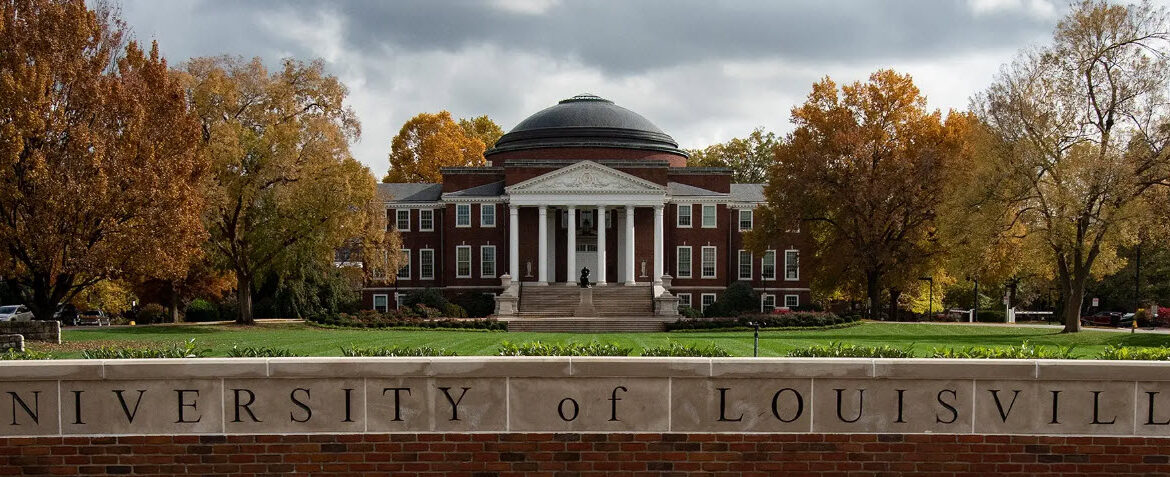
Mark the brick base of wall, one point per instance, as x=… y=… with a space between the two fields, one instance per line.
x=484 y=455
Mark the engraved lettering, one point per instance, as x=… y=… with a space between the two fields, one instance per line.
x=1055 y=407
x=34 y=412
x=181 y=394
x=1150 y=420
x=348 y=392
x=1003 y=415
x=397 y=401
x=954 y=412
x=77 y=407
x=860 y=405
x=723 y=407
x=301 y=404
x=561 y=409
x=126 y=409
x=454 y=402
x=613 y=399
x=901 y=395
x=799 y=405
x=1097 y=409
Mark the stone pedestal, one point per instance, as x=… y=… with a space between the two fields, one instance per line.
x=665 y=303
x=585 y=306
x=508 y=302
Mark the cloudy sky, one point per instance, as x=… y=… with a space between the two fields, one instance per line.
x=704 y=70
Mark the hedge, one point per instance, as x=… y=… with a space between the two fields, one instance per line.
x=798 y=319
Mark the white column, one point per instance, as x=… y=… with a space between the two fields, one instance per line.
x=600 y=279
x=571 y=246
x=657 y=279
x=630 y=273
x=542 y=246
x=514 y=243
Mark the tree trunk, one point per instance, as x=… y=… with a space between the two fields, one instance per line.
x=1074 y=296
x=873 y=293
x=244 y=299
x=895 y=294
x=174 y=305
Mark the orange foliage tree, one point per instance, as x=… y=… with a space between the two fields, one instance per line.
x=428 y=142
x=99 y=171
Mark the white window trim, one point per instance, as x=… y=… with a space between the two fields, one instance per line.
x=702 y=302
x=689 y=301
x=468 y=224
x=492 y=207
x=714 y=217
x=374 y=302
x=764 y=298
x=420 y=220
x=750 y=264
x=421 y=251
x=678 y=252
x=470 y=261
x=690 y=215
x=797 y=277
x=773 y=277
x=751 y=220
x=397 y=220
x=398 y=275
x=494 y=262
x=796 y=297
x=702 y=264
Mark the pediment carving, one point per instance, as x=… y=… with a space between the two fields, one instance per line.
x=585 y=177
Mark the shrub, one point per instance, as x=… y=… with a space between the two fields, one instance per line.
x=991 y=316
x=187 y=349
x=767 y=321
x=836 y=349
x=420 y=316
x=259 y=352
x=355 y=351
x=1024 y=351
x=451 y=310
x=201 y=310
x=688 y=312
x=430 y=297
x=537 y=348
x=477 y=305
x=29 y=354
x=1135 y=353
x=152 y=313
x=737 y=299
x=675 y=349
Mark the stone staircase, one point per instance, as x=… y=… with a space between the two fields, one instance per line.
x=618 y=308
x=586 y=325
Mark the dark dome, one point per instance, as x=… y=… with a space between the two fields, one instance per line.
x=586 y=120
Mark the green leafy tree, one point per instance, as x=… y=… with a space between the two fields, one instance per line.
x=482 y=128
x=748 y=158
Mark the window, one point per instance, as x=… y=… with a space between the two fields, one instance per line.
x=404 y=272
x=745 y=265
x=684 y=216
x=705 y=300
x=487 y=261
x=403 y=220
x=683 y=269
x=463 y=261
x=426 y=264
x=463 y=215
x=745 y=220
x=381 y=303
x=684 y=299
x=426 y=220
x=767 y=303
x=708 y=265
x=709 y=216
x=768 y=265
x=792 y=265
x=791 y=301
x=487 y=215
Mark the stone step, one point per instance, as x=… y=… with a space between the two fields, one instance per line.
x=584 y=325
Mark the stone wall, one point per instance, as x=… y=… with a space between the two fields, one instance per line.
x=36 y=330
x=585 y=455
x=11 y=342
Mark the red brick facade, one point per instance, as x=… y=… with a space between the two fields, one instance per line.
x=585 y=455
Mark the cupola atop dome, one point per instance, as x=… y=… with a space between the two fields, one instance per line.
x=586 y=121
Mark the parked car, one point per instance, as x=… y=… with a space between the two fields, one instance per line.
x=66 y=314
x=93 y=317
x=15 y=313
x=1103 y=318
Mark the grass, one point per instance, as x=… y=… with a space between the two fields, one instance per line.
x=307 y=340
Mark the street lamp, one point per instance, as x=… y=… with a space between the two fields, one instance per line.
x=930 y=302
x=756 y=345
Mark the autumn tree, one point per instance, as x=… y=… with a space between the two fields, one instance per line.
x=99 y=171
x=482 y=128
x=1084 y=127
x=862 y=176
x=428 y=142
x=202 y=280
x=284 y=187
x=748 y=157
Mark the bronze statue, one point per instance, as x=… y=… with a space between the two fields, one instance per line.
x=585 y=277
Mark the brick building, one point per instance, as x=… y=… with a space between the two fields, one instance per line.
x=586 y=184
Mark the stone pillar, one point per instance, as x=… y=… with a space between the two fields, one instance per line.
x=514 y=242
x=600 y=245
x=571 y=246
x=658 y=245
x=630 y=273
x=542 y=247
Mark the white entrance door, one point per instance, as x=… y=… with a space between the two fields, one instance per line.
x=586 y=258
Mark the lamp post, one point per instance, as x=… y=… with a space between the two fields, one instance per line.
x=756 y=344
x=930 y=300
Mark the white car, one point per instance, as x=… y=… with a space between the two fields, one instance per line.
x=15 y=313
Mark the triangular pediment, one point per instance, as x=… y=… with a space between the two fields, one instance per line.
x=586 y=177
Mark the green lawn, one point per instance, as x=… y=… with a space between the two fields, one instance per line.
x=311 y=341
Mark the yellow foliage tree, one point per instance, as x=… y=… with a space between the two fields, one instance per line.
x=482 y=128
x=428 y=142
